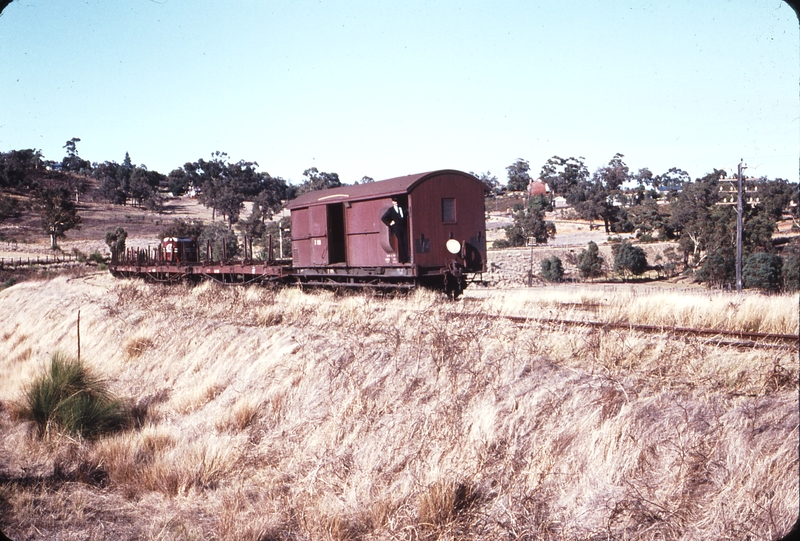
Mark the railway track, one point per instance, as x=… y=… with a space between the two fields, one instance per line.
x=719 y=337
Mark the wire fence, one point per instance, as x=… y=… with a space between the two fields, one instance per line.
x=16 y=262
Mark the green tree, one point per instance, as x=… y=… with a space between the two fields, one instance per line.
x=18 y=167
x=565 y=175
x=595 y=199
x=140 y=186
x=692 y=218
x=254 y=225
x=673 y=258
x=279 y=237
x=774 y=196
x=615 y=174
x=490 y=182
x=222 y=239
x=116 y=242
x=675 y=178
x=718 y=269
x=72 y=163
x=178 y=182
x=629 y=259
x=58 y=213
x=590 y=262
x=552 y=269
x=539 y=203
x=644 y=178
x=791 y=268
x=211 y=176
x=223 y=186
x=183 y=229
x=518 y=175
x=647 y=218
x=318 y=180
x=229 y=203
x=272 y=192
x=9 y=208
x=527 y=224
x=113 y=180
x=757 y=234
x=762 y=271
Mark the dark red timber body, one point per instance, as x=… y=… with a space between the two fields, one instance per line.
x=341 y=228
x=342 y=237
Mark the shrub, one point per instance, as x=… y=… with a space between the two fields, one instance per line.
x=540 y=203
x=79 y=256
x=97 y=257
x=71 y=399
x=623 y=226
x=552 y=269
x=646 y=237
x=116 y=243
x=629 y=259
x=590 y=262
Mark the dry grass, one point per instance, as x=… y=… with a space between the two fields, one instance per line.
x=277 y=414
x=136 y=347
x=704 y=309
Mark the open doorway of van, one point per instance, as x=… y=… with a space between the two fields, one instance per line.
x=336 y=234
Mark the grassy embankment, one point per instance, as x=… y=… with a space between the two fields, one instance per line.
x=282 y=415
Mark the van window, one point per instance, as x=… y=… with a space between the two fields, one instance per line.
x=448 y=210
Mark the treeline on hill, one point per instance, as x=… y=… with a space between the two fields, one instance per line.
x=665 y=207
x=30 y=182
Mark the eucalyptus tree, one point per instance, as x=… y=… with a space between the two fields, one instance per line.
x=58 y=213
x=489 y=180
x=318 y=180
x=72 y=162
x=565 y=175
x=518 y=175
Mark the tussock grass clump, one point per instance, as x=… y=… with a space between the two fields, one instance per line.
x=69 y=398
x=137 y=346
x=239 y=417
x=444 y=501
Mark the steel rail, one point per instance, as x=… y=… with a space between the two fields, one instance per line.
x=751 y=339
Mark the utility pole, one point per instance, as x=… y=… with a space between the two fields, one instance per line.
x=739 y=230
x=727 y=189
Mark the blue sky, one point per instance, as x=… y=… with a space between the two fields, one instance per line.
x=384 y=88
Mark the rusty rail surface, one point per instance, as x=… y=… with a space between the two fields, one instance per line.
x=742 y=338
